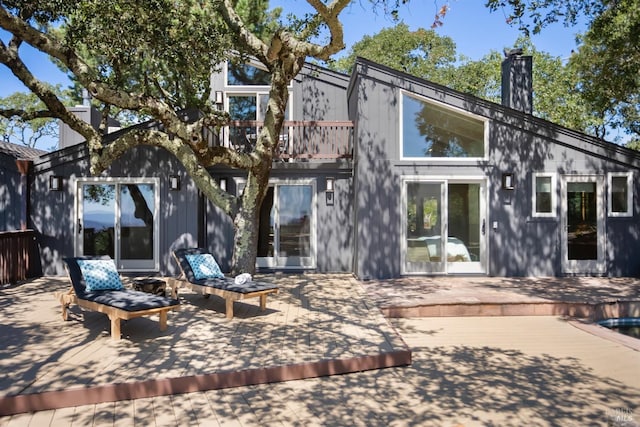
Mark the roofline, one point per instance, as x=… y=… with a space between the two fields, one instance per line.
x=526 y=118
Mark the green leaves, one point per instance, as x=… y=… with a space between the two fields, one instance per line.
x=24 y=120
x=422 y=52
x=608 y=64
x=158 y=48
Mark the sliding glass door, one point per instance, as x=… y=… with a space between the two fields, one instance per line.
x=118 y=218
x=287 y=226
x=445 y=226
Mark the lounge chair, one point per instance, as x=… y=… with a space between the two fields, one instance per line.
x=208 y=280
x=96 y=286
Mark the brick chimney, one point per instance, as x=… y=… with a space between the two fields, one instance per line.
x=517 y=81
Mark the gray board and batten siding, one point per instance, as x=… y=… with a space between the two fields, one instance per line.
x=53 y=213
x=317 y=94
x=518 y=143
x=186 y=219
x=13 y=186
x=10 y=197
x=359 y=229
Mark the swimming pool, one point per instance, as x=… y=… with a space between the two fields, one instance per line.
x=625 y=325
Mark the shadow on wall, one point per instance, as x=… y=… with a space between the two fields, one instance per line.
x=521 y=245
x=10 y=199
x=377 y=193
x=53 y=213
x=335 y=226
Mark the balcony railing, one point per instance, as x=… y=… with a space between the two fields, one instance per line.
x=15 y=252
x=312 y=140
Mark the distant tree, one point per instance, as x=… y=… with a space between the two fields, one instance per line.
x=556 y=87
x=633 y=144
x=425 y=54
x=608 y=63
x=420 y=53
x=23 y=121
x=608 y=60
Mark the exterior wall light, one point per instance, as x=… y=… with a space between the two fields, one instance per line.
x=330 y=184
x=55 y=183
x=174 y=182
x=329 y=191
x=507 y=181
x=219 y=97
x=223 y=184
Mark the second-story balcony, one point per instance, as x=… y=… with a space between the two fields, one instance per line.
x=298 y=140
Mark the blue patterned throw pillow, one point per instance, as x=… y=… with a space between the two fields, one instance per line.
x=204 y=266
x=100 y=275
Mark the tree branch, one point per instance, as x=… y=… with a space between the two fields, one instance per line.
x=26 y=115
x=233 y=20
x=10 y=58
x=191 y=160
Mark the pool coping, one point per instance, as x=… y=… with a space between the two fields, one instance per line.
x=606 y=333
x=583 y=316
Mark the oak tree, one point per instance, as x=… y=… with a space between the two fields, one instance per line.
x=155 y=58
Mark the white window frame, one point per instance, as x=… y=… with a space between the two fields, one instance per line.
x=274 y=262
x=456 y=110
x=257 y=93
x=225 y=73
x=629 y=211
x=554 y=195
x=479 y=267
x=77 y=185
x=246 y=88
x=597 y=266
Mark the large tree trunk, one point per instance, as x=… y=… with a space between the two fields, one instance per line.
x=247 y=219
x=247 y=222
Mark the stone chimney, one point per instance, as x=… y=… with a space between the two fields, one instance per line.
x=517 y=81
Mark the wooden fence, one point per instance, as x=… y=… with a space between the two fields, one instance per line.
x=16 y=248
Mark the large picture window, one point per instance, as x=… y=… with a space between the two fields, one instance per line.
x=434 y=131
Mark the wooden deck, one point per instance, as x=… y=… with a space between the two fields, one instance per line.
x=303 y=333
x=493 y=370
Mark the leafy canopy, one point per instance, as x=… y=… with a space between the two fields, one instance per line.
x=608 y=60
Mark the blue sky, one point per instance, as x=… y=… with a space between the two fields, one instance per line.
x=473 y=28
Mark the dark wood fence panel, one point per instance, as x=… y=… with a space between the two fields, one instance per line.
x=15 y=253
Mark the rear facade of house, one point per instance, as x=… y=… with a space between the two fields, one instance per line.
x=379 y=173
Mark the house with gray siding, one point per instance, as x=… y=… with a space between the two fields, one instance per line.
x=15 y=161
x=145 y=205
x=447 y=183
x=379 y=173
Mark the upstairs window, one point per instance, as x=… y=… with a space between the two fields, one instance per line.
x=247 y=75
x=620 y=194
x=430 y=130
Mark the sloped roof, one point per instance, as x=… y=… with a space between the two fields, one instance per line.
x=529 y=122
x=20 y=151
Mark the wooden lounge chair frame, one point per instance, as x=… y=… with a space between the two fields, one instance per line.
x=114 y=314
x=220 y=287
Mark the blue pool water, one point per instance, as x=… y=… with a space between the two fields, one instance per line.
x=625 y=325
